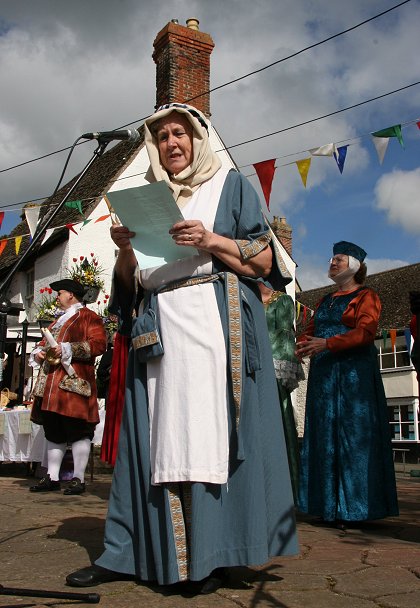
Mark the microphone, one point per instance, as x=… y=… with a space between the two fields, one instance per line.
x=103 y=136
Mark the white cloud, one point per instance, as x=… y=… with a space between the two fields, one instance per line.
x=398 y=195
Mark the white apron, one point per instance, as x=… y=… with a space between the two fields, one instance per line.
x=187 y=386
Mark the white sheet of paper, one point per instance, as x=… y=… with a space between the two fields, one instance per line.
x=25 y=423
x=150 y=211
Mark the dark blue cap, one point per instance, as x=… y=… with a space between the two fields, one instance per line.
x=349 y=249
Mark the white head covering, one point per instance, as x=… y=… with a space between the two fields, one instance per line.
x=205 y=162
x=346 y=274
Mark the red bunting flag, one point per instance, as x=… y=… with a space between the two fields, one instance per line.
x=70 y=227
x=265 y=171
x=3 y=244
x=102 y=218
x=1 y=217
x=418 y=124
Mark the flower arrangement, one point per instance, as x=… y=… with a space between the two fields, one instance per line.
x=87 y=272
x=110 y=320
x=47 y=307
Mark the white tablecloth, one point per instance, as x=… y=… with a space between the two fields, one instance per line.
x=30 y=447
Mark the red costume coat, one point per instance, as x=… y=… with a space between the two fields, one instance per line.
x=86 y=334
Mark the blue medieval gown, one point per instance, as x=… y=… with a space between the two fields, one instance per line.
x=177 y=531
x=347 y=470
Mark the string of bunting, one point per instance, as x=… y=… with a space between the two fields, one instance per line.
x=265 y=170
x=70 y=226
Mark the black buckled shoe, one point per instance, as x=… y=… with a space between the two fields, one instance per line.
x=210 y=584
x=75 y=487
x=46 y=484
x=95 y=575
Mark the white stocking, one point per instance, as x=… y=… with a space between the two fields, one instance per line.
x=81 y=451
x=56 y=453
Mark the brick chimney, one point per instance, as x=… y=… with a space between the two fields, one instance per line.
x=182 y=57
x=283 y=232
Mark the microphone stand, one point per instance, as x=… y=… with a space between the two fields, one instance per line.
x=5 y=305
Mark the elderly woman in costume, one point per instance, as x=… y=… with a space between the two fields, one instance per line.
x=347 y=472
x=201 y=480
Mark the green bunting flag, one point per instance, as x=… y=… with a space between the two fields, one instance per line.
x=75 y=205
x=394 y=131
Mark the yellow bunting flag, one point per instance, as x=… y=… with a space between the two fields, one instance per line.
x=303 y=167
x=18 y=241
x=297 y=310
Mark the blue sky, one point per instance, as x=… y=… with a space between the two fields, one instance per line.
x=63 y=74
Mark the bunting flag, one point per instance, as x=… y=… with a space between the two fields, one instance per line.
x=327 y=150
x=75 y=205
x=305 y=311
x=394 y=131
x=1 y=217
x=381 y=144
x=47 y=235
x=85 y=223
x=32 y=215
x=340 y=157
x=381 y=140
x=3 y=244
x=71 y=227
x=18 y=242
x=102 y=218
x=298 y=305
x=303 y=168
x=407 y=334
x=393 y=336
x=384 y=336
x=418 y=124
x=265 y=171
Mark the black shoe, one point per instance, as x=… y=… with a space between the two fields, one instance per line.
x=46 y=484
x=75 y=487
x=208 y=585
x=95 y=575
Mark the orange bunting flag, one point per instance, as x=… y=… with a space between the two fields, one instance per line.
x=3 y=244
x=265 y=171
x=102 y=218
x=71 y=227
x=18 y=241
x=303 y=167
x=393 y=336
x=305 y=313
x=1 y=217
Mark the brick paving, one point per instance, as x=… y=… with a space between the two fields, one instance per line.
x=43 y=537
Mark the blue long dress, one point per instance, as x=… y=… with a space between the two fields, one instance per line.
x=347 y=471
x=176 y=531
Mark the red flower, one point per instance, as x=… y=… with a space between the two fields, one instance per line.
x=95 y=263
x=92 y=254
x=107 y=296
x=49 y=290
x=82 y=257
x=74 y=259
x=41 y=290
x=99 y=302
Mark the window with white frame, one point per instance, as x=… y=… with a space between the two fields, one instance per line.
x=404 y=422
x=391 y=357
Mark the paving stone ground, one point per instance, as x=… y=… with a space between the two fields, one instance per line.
x=43 y=537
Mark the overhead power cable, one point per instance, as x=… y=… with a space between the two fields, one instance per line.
x=230 y=82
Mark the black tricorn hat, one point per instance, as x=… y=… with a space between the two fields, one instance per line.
x=69 y=285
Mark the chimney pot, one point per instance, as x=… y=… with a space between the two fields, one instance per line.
x=174 y=21
x=193 y=24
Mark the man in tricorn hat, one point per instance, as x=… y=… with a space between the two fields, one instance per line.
x=65 y=391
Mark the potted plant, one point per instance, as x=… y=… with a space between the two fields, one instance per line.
x=46 y=309
x=87 y=272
